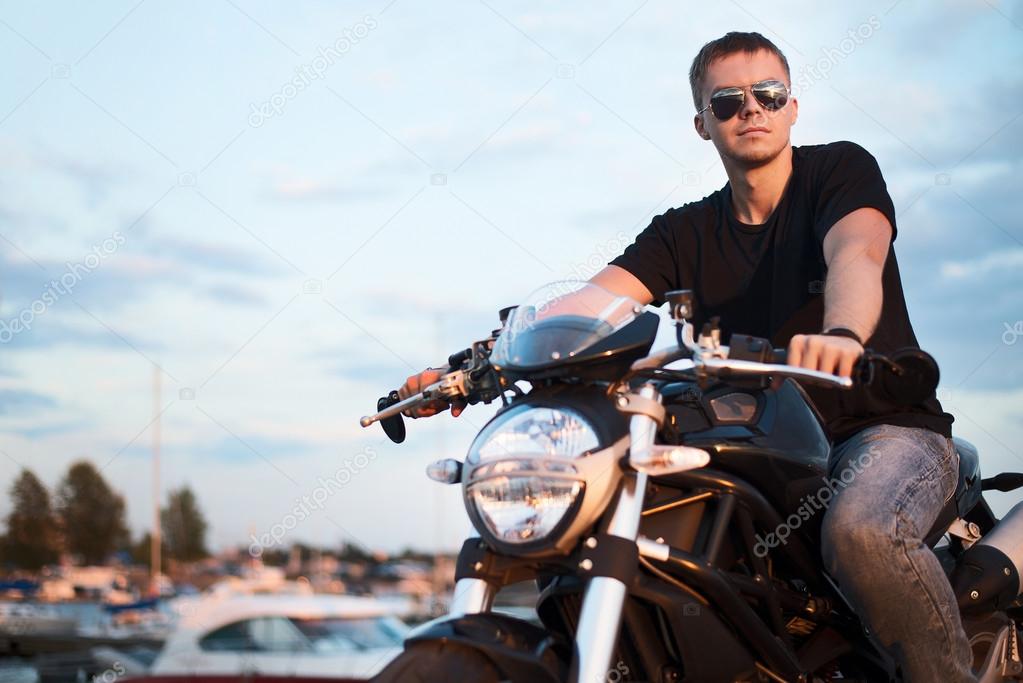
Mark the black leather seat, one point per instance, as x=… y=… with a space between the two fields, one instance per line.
x=968 y=490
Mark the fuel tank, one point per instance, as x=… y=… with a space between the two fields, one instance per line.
x=772 y=438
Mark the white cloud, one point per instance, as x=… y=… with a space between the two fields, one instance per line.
x=1003 y=260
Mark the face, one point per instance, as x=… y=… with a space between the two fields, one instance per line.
x=755 y=135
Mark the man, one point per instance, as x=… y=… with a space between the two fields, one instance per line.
x=797 y=247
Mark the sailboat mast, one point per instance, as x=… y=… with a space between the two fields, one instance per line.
x=155 y=537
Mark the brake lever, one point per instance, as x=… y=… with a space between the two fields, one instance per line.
x=391 y=406
x=473 y=382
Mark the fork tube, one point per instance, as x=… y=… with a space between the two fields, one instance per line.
x=471 y=596
x=601 y=614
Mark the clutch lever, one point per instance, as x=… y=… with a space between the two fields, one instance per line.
x=392 y=406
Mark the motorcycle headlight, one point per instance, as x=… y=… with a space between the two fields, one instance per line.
x=529 y=430
x=521 y=483
x=525 y=508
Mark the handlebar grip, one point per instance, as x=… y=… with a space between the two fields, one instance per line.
x=910 y=377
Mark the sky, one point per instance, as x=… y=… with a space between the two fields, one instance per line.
x=287 y=208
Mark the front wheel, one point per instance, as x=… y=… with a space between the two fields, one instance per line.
x=432 y=661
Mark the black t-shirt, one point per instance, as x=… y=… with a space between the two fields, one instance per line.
x=768 y=280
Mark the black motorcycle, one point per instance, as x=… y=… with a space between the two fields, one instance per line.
x=646 y=494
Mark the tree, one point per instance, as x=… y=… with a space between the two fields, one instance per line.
x=32 y=539
x=184 y=527
x=141 y=552
x=91 y=514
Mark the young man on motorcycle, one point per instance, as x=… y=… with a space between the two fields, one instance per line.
x=797 y=248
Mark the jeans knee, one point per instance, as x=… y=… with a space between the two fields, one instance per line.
x=846 y=540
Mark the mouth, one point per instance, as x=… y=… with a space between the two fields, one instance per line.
x=754 y=129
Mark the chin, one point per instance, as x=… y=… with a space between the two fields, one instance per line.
x=755 y=155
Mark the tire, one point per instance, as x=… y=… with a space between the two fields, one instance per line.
x=433 y=661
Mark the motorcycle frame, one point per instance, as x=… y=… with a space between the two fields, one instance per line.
x=737 y=506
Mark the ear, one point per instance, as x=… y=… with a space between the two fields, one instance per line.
x=701 y=130
x=795 y=110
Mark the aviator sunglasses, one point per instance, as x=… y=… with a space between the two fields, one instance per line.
x=725 y=103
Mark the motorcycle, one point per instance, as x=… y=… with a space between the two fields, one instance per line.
x=651 y=496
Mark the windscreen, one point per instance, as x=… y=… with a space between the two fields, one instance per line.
x=560 y=320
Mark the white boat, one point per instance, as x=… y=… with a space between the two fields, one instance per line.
x=282 y=635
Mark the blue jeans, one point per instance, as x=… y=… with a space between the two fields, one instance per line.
x=894 y=482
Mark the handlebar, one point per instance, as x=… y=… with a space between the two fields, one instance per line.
x=397 y=408
x=448 y=387
x=727 y=366
x=469 y=379
x=906 y=377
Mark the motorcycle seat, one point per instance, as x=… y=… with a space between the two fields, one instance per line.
x=967 y=494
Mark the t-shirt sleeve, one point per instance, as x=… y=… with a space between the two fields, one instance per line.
x=653 y=258
x=849 y=179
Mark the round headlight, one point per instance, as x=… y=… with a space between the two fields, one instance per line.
x=520 y=483
x=520 y=509
x=529 y=430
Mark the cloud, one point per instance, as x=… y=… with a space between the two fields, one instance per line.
x=1003 y=260
x=23 y=401
x=37 y=314
x=305 y=189
x=235 y=295
x=77 y=333
x=95 y=177
x=991 y=420
x=42 y=431
x=255 y=447
x=246 y=448
x=212 y=256
x=372 y=373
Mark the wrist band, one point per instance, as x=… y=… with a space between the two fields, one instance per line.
x=843 y=332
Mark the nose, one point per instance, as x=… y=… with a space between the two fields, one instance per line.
x=750 y=104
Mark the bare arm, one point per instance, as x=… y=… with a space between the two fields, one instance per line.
x=612 y=278
x=620 y=281
x=855 y=250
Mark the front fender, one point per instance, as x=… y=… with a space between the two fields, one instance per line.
x=520 y=650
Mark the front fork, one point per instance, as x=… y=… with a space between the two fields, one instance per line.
x=601 y=613
x=604 y=599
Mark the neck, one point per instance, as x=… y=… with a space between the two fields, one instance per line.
x=756 y=190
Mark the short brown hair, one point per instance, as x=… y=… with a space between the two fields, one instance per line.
x=730 y=43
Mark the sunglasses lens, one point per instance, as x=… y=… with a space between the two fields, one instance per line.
x=772 y=95
x=725 y=106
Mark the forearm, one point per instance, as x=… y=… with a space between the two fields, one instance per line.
x=853 y=295
x=620 y=281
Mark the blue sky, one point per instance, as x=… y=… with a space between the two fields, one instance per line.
x=285 y=268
